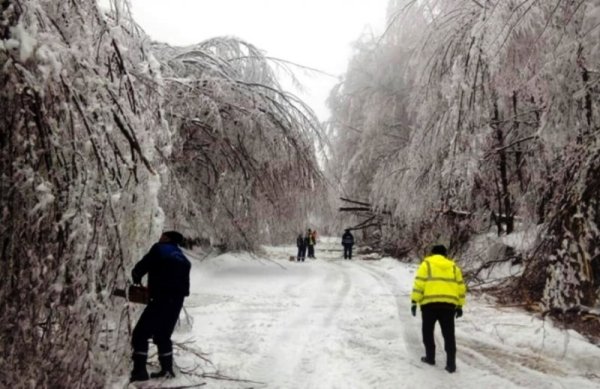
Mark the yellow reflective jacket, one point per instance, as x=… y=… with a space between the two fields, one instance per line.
x=438 y=280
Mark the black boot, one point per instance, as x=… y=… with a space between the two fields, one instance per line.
x=139 y=372
x=428 y=361
x=450 y=362
x=166 y=367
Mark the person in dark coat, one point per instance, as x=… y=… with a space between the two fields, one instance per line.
x=301 y=243
x=168 y=273
x=347 y=242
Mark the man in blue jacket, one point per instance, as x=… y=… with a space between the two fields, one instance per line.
x=168 y=283
x=347 y=242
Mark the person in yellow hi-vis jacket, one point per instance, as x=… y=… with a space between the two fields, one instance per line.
x=440 y=291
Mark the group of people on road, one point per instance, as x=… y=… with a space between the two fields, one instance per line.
x=304 y=243
x=309 y=240
x=438 y=289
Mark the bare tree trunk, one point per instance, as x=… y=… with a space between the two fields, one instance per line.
x=518 y=154
x=506 y=216
x=585 y=77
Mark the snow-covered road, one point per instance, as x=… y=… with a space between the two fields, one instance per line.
x=330 y=323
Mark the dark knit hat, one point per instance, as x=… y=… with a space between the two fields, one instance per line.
x=439 y=249
x=174 y=237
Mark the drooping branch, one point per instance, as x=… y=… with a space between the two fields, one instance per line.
x=355 y=209
x=355 y=202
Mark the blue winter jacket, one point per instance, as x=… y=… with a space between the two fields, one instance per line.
x=347 y=239
x=168 y=271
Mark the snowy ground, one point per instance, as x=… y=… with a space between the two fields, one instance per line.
x=330 y=323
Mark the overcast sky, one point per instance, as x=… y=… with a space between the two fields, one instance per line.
x=314 y=33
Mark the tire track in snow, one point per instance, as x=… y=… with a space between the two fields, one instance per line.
x=405 y=349
x=390 y=283
x=306 y=324
x=322 y=333
x=353 y=330
x=341 y=294
x=411 y=328
x=523 y=369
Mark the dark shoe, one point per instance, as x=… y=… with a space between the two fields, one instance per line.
x=427 y=361
x=450 y=362
x=138 y=376
x=139 y=372
x=163 y=374
x=166 y=367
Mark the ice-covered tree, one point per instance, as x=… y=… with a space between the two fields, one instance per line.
x=80 y=132
x=106 y=139
x=503 y=113
x=244 y=158
x=369 y=123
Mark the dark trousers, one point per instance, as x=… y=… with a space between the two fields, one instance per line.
x=444 y=313
x=301 y=253
x=157 y=322
x=311 y=251
x=348 y=251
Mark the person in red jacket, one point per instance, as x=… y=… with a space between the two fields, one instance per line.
x=310 y=243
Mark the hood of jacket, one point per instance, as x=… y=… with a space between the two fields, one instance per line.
x=440 y=261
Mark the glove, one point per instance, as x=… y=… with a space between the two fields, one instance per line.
x=413 y=308
x=459 y=312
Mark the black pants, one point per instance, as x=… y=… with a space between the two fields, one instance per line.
x=157 y=322
x=348 y=251
x=301 y=253
x=311 y=251
x=444 y=313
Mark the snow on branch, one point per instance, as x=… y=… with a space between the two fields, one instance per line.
x=105 y=140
